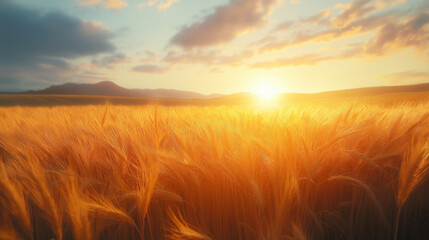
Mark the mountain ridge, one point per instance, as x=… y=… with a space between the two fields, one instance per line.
x=109 y=88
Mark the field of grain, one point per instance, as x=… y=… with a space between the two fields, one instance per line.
x=344 y=171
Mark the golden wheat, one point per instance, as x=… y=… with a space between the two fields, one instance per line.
x=150 y=172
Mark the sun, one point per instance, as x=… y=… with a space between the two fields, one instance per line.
x=266 y=91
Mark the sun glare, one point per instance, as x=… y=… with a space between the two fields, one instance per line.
x=266 y=92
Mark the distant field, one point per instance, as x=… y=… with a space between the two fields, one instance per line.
x=239 y=99
x=67 y=100
x=349 y=171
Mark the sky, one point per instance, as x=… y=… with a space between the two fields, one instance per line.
x=216 y=46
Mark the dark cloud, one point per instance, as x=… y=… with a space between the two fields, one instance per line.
x=38 y=48
x=28 y=34
x=225 y=23
x=10 y=84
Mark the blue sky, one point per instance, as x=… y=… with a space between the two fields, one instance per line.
x=214 y=46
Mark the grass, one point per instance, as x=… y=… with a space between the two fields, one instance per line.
x=311 y=171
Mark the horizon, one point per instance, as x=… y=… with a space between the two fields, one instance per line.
x=222 y=47
x=209 y=94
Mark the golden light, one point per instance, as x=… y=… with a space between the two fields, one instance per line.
x=267 y=92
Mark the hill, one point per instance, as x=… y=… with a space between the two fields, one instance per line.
x=100 y=93
x=409 y=92
x=372 y=91
x=107 y=88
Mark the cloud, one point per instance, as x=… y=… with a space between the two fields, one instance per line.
x=149 y=56
x=282 y=27
x=353 y=11
x=26 y=34
x=42 y=73
x=322 y=18
x=308 y=59
x=225 y=23
x=90 y=76
x=111 y=4
x=111 y=61
x=407 y=77
x=351 y=51
x=391 y=29
x=149 y=68
x=213 y=57
x=340 y=26
x=413 y=32
x=327 y=26
x=38 y=48
x=160 y=4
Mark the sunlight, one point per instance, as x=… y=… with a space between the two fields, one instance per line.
x=267 y=92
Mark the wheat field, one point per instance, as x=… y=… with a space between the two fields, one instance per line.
x=314 y=171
